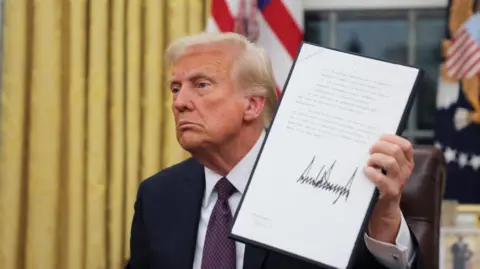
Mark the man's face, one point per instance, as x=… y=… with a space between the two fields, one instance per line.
x=208 y=109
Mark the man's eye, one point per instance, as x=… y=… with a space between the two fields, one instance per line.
x=175 y=89
x=203 y=84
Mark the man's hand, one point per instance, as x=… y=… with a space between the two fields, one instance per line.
x=393 y=155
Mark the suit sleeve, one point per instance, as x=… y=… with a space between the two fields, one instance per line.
x=138 y=238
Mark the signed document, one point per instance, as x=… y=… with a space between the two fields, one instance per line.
x=307 y=195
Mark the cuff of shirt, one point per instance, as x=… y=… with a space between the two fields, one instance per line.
x=398 y=256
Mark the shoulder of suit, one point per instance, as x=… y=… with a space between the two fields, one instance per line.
x=171 y=174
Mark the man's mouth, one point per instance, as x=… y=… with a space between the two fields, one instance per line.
x=184 y=125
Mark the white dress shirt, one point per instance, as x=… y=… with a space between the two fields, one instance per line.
x=397 y=256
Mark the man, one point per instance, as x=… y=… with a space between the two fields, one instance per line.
x=223 y=100
x=461 y=253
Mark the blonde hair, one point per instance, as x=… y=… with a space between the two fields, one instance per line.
x=251 y=69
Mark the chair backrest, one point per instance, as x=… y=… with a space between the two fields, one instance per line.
x=422 y=200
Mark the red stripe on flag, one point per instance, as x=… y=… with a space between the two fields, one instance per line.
x=458 y=39
x=462 y=56
x=466 y=67
x=459 y=55
x=475 y=65
x=222 y=15
x=283 y=25
x=278 y=92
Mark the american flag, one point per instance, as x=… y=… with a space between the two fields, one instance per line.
x=463 y=57
x=276 y=25
x=456 y=133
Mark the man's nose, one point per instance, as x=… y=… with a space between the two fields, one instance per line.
x=183 y=99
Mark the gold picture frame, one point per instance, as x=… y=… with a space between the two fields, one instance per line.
x=469 y=214
x=471 y=208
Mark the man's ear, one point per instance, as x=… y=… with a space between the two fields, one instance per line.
x=253 y=107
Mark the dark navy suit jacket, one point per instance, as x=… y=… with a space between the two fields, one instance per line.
x=165 y=224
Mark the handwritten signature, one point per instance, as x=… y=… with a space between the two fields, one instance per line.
x=321 y=181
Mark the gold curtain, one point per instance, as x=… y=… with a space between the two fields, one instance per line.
x=85 y=117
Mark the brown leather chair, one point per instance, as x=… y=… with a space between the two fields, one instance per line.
x=422 y=200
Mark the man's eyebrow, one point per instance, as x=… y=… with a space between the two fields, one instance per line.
x=196 y=74
x=172 y=80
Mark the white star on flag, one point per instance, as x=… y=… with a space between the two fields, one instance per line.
x=450 y=155
x=462 y=160
x=475 y=161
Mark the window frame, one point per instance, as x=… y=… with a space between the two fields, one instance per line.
x=332 y=8
x=323 y=5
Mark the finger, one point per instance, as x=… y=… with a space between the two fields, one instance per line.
x=389 y=149
x=386 y=187
x=386 y=162
x=404 y=144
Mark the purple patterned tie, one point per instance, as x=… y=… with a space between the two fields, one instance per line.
x=219 y=250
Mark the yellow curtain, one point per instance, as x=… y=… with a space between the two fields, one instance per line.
x=85 y=117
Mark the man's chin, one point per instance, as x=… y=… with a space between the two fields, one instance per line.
x=189 y=141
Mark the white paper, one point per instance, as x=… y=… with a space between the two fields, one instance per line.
x=335 y=107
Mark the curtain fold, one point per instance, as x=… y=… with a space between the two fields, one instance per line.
x=132 y=106
x=44 y=136
x=13 y=138
x=117 y=137
x=86 y=116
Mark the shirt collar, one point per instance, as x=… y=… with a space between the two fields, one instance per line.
x=238 y=176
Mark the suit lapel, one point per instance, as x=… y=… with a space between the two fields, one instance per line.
x=183 y=228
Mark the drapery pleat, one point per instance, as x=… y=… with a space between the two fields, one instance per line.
x=44 y=135
x=13 y=151
x=96 y=127
x=86 y=115
x=117 y=138
x=133 y=94
x=72 y=251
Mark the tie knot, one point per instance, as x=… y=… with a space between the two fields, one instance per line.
x=224 y=188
